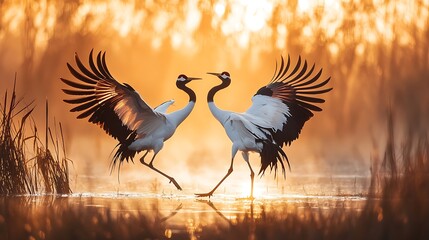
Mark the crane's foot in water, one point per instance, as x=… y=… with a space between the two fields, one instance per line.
x=172 y=180
x=175 y=184
x=209 y=194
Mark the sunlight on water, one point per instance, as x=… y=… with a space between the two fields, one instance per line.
x=186 y=214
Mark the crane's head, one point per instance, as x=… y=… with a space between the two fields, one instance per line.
x=181 y=82
x=224 y=76
x=182 y=79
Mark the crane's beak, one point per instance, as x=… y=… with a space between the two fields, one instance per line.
x=193 y=78
x=216 y=74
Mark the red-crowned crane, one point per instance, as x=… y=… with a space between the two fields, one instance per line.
x=276 y=117
x=122 y=113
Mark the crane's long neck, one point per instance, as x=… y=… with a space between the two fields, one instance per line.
x=190 y=92
x=215 y=89
x=217 y=113
x=179 y=116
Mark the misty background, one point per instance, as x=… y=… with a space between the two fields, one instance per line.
x=376 y=53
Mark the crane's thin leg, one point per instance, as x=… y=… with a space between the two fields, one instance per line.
x=142 y=158
x=151 y=161
x=209 y=194
x=252 y=174
x=150 y=165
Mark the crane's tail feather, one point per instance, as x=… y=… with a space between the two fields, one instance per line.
x=123 y=153
x=271 y=155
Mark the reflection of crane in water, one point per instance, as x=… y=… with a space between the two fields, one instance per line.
x=276 y=117
x=172 y=214
x=228 y=220
x=122 y=113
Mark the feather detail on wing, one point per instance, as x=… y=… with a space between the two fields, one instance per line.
x=162 y=108
x=116 y=108
x=287 y=102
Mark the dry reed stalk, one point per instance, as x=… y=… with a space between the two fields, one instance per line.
x=19 y=172
x=14 y=173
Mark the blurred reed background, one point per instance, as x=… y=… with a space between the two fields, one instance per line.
x=374 y=122
x=376 y=52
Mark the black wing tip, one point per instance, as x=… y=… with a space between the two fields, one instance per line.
x=328 y=79
x=99 y=52
x=281 y=72
x=282 y=58
x=98 y=68
x=300 y=78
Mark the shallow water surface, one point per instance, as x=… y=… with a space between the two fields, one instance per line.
x=180 y=213
x=316 y=193
x=184 y=212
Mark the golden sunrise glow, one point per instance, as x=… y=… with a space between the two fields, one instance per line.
x=243 y=23
x=259 y=189
x=148 y=43
x=12 y=18
x=358 y=71
x=124 y=18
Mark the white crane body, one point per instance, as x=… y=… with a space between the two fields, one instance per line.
x=275 y=118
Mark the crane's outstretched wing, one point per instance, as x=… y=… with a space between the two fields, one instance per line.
x=287 y=102
x=115 y=107
x=162 y=108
